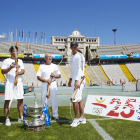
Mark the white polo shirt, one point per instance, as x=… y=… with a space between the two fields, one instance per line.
x=46 y=70
x=10 y=76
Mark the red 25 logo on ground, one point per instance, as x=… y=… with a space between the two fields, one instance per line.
x=123 y=114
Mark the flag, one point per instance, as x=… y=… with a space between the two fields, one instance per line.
x=19 y=33
x=41 y=35
x=9 y=33
x=33 y=34
x=22 y=33
x=12 y=32
x=36 y=35
x=26 y=36
x=16 y=33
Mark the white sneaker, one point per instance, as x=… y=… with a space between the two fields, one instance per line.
x=42 y=117
x=75 y=123
x=20 y=119
x=7 y=122
x=83 y=121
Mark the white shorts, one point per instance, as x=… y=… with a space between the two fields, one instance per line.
x=78 y=95
x=9 y=89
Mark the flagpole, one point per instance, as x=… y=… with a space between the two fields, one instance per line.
x=36 y=37
x=9 y=34
x=33 y=36
x=29 y=36
x=16 y=34
x=42 y=37
x=45 y=37
x=23 y=35
x=19 y=36
x=26 y=36
x=13 y=34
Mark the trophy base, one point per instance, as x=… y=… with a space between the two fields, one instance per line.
x=35 y=128
x=35 y=125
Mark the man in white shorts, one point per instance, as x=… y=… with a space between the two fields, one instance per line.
x=9 y=68
x=77 y=63
x=44 y=74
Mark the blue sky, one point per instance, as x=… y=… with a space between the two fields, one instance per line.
x=93 y=18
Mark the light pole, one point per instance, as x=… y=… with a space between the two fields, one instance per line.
x=114 y=30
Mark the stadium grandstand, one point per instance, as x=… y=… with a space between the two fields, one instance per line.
x=105 y=64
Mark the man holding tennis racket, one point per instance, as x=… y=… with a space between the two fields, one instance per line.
x=47 y=74
x=9 y=68
x=77 y=63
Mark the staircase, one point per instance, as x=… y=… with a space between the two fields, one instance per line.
x=100 y=75
x=127 y=73
x=104 y=74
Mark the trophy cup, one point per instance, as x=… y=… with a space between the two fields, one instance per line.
x=35 y=111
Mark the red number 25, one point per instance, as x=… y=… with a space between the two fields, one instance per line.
x=127 y=104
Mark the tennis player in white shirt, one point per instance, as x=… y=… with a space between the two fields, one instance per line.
x=77 y=63
x=9 y=68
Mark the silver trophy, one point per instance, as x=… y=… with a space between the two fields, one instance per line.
x=35 y=111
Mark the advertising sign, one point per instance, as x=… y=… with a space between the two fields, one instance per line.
x=113 y=56
x=136 y=55
x=54 y=56
x=127 y=108
x=8 y=55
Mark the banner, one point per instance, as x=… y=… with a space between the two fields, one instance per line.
x=136 y=55
x=35 y=34
x=119 y=107
x=16 y=34
x=29 y=34
x=54 y=56
x=41 y=35
x=113 y=56
x=13 y=33
x=9 y=55
x=9 y=34
x=22 y=33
